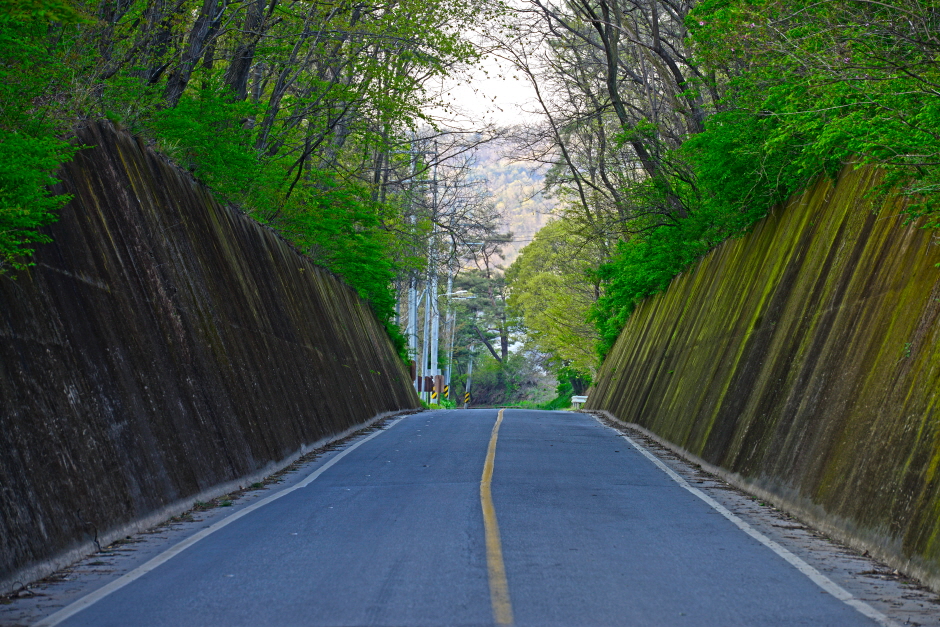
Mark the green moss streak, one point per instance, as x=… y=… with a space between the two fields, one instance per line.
x=804 y=354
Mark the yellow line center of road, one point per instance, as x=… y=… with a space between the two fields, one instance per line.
x=499 y=588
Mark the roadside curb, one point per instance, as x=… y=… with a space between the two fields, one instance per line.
x=23 y=578
x=806 y=512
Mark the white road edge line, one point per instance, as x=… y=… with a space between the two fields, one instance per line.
x=87 y=601
x=814 y=575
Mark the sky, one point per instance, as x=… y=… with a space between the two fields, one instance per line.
x=493 y=94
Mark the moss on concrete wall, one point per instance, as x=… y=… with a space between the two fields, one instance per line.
x=804 y=360
x=161 y=346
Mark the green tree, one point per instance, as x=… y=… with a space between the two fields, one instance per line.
x=302 y=115
x=486 y=316
x=32 y=146
x=811 y=87
x=553 y=284
x=769 y=94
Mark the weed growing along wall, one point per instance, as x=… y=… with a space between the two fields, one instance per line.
x=804 y=360
x=164 y=345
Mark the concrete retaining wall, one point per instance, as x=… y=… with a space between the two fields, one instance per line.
x=165 y=347
x=803 y=360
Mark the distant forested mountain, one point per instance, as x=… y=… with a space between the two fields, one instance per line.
x=517 y=192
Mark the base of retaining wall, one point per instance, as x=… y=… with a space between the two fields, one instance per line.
x=881 y=547
x=42 y=569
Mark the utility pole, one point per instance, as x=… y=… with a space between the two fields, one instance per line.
x=435 y=326
x=449 y=322
x=432 y=266
x=426 y=344
x=419 y=348
x=412 y=330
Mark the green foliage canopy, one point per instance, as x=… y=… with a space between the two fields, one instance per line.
x=32 y=72
x=805 y=89
x=302 y=115
x=553 y=284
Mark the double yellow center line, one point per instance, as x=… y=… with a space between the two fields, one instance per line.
x=499 y=588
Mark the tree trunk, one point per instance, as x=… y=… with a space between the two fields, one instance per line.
x=239 y=69
x=201 y=34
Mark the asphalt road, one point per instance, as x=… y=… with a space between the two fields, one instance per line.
x=400 y=532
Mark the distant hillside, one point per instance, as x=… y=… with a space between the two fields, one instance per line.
x=517 y=191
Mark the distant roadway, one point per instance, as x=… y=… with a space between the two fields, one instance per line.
x=474 y=517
